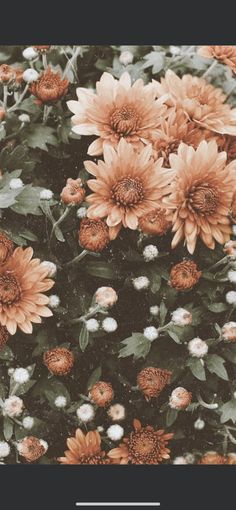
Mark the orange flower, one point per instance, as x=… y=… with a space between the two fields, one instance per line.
x=6 y=248
x=143 y=446
x=151 y=381
x=49 y=87
x=4 y=336
x=6 y=73
x=22 y=282
x=59 y=361
x=155 y=222
x=202 y=102
x=93 y=234
x=42 y=49
x=31 y=448
x=227 y=143
x=73 y=193
x=117 y=110
x=127 y=186
x=225 y=54
x=101 y=393
x=84 y=449
x=212 y=458
x=185 y=275
x=2 y=114
x=201 y=195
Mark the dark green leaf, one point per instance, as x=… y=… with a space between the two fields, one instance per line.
x=228 y=411
x=136 y=345
x=197 y=369
x=171 y=416
x=83 y=338
x=94 y=377
x=103 y=270
x=8 y=427
x=215 y=365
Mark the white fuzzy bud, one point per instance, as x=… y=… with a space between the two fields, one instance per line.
x=126 y=58
x=199 y=424
x=4 y=449
x=60 y=401
x=24 y=118
x=46 y=194
x=30 y=75
x=30 y=53
x=154 y=310
x=115 y=432
x=197 y=348
x=116 y=412
x=16 y=184
x=13 y=406
x=231 y=297
x=21 y=375
x=231 y=276
x=151 y=333
x=81 y=212
x=109 y=325
x=181 y=317
x=54 y=301
x=85 y=413
x=141 y=283
x=150 y=253
x=28 y=422
x=179 y=461
x=92 y=325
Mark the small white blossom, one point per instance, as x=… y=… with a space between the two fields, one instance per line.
x=30 y=75
x=13 y=406
x=28 y=422
x=116 y=412
x=181 y=317
x=100 y=428
x=231 y=297
x=154 y=310
x=232 y=276
x=197 y=347
x=24 y=118
x=190 y=458
x=126 y=57
x=16 y=184
x=51 y=267
x=180 y=460
x=4 y=449
x=109 y=325
x=44 y=444
x=199 y=424
x=21 y=375
x=115 y=432
x=151 y=333
x=46 y=194
x=85 y=413
x=92 y=325
x=81 y=212
x=54 y=301
x=150 y=252
x=60 y=401
x=10 y=371
x=141 y=283
x=30 y=53
x=175 y=50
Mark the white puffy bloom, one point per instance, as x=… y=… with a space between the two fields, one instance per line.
x=85 y=412
x=54 y=301
x=4 y=449
x=151 y=333
x=109 y=324
x=13 y=406
x=28 y=422
x=92 y=325
x=180 y=460
x=46 y=194
x=181 y=317
x=51 y=267
x=16 y=184
x=24 y=118
x=150 y=252
x=21 y=375
x=10 y=371
x=81 y=212
x=44 y=444
x=30 y=53
x=234 y=229
x=229 y=331
x=30 y=75
x=100 y=428
x=141 y=282
x=197 y=347
x=126 y=57
x=231 y=297
x=116 y=412
x=232 y=276
x=60 y=401
x=154 y=310
x=115 y=432
x=175 y=50
x=199 y=424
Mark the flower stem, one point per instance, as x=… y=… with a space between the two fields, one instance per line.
x=204 y=404
x=77 y=259
x=5 y=96
x=14 y=107
x=210 y=69
x=71 y=62
x=44 y=59
x=46 y=112
x=88 y=315
x=59 y=221
x=219 y=263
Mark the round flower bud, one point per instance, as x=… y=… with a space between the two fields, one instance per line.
x=4 y=336
x=85 y=413
x=231 y=297
x=6 y=248
x=54 y=301
x=59 y=361
x=93 y=235
x=106 y=297
x=4 y=449
x=180 y=461
x=151 y=333
x=185 y=275
x=115 y=432
x=82 y=212
x=46 y=194
x=154 y=310
x=126 y=58
x=231 y=458
x=10 y=371
x=51 y=268
x=231 y=276
x=181 y=317
x=180 y=398
x=24 y=118
x=16 y=184
x=230 y=248
x=229 y=331
x=60 y=401
x=141 y=283
x=7 y=74
x=73 y=193
x=28 y=422
x=199 y=424
x=190 y=458
x=100 y=428
x=150 y=253
x=197 y=348
x=155 y=222
x=30 y=75
x=151 y=381
x=21 y=375
x=31 y=448
x=30 y=53
x=12 y=406
x=101 y=393
x=109 y=325
x=2 y=114
x=212 y=458
x=92 y=325
x=116 y=412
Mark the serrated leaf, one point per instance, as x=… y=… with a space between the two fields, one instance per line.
x=197 y=369
x=28 y=201
x=94 y=377
x=8 y=427
x=41 y=136
x=8 y=197
x=83 y=338
x=228 y=411
x=136 y=345
x=215 y=365
x=155 y=60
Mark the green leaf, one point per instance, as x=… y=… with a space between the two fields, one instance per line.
x=162 y=313
x=27 y=234
x=103 y=270
x=230 y=353
x=173 y=334
x=215 y=365
x=8 y=197
x=155 y=60
x=171 y=416
x=8 y=427
x=40 y=136
x=6 y=354
x=7 y=176
x=28 y=105
x=197 y=369
x=228 y=411
x=28 y=201
x=83 y=338
x=155 y=283
x=53 y=389
x=136 y=345
x=94 y=377
x=217 y=307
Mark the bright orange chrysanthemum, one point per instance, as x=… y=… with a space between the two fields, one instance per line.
x=127 y=186
x=118 y=109
x=22 y=282
x=201 y=101
x=201 y=195
x=224 y=54
x=84 y=449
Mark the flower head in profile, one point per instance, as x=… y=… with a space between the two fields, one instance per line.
x=22 y=283
x=143 y=446
x=224 y=54
x=127 y=186
x=117 y=110
x=84 y=449
x=73 y=192
x=49 y=88
x=201 y=195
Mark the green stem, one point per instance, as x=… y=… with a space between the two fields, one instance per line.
x=204 y=404
x=77 y=259
x=60 y=220
x=14 y=107
x=5 y=96
x=46 y=112
x=88 y=315
x=210 y=69
x=219 y=263
x=71 y=62
x=44 y=59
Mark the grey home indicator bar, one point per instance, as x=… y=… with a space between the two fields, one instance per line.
x=152 y=504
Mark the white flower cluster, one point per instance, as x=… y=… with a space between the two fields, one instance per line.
x=141 y=283
x=151 y=333
x=150 y=253
x=85 y=413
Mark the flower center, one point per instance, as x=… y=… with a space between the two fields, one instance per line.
x=124 y=120
x=10 y=291
x=143 y=445
x=128 y=191
x=203 y=199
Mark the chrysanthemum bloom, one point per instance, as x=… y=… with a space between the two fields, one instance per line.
x=4 y=336
x=116 y=412
x=127 y=186
x=143 y=446
x=73 y=193
x=59 y=360
x=22 y=282
x=117 y=110
x=227 y=143
x=202 y=102
x=6 y=74
x=212 y=458
x=49 y=88
x=84 y=449
x=229 y=331
x=106 y=297
x=93 y=234
x=155 y=222
x=6 y=248
x=101 y=393
x=31 y=448
x=180 y=398
x=201 y=195
x=225 y=54
x=151 y=381
x=42 y=49
x=230 y=248
x=184 y=275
